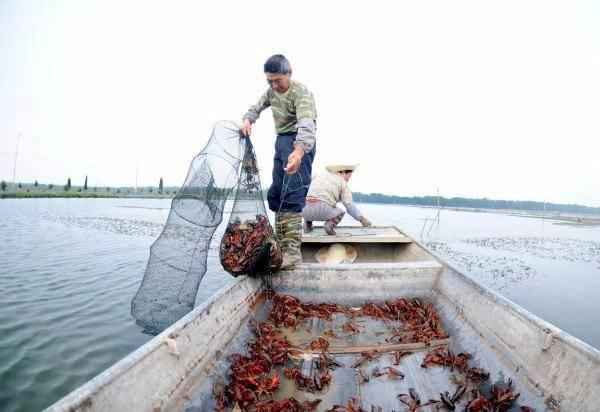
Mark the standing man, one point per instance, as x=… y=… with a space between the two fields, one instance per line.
x=295 y=115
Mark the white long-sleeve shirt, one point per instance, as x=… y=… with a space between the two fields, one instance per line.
x=331 y=188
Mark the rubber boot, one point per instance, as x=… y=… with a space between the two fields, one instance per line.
x=288 y=226
x=330 y=224
x=279 y=229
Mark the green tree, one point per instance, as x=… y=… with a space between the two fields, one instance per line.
x=3 y=185
x=35 y=184
x=68 y=185
x=160 y=185
x=19 y=185
x=51 y=186
x=108 y=189
x=85 y=184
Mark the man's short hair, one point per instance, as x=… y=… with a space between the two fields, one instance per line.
x=278 y=64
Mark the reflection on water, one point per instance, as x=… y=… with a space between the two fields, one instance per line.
x=69 y=268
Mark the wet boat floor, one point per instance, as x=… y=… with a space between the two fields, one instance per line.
x=346 y=383
x=378 y=394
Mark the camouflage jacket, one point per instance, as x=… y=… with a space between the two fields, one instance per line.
x=293 y=112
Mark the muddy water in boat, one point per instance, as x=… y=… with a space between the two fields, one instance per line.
x=69 y=267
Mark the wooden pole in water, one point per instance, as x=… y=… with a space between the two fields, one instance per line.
x=137 y=166
x=15 y=163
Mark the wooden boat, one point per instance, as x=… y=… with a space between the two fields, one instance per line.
x=177 y=369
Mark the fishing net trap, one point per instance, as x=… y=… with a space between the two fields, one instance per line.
x=178 y=258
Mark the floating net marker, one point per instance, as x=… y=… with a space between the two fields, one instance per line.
x=178 y=257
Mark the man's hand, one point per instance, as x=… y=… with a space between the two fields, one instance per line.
x=294 y=160
x=365 y=222
x=246 y=128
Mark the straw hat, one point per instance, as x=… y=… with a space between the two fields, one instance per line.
x=339 y=168
x=336 y=253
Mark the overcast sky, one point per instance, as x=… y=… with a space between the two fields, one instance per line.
x=478 y=99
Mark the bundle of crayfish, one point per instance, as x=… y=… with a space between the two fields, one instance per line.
x=289 y=311
x=253 y=378
x=422 y=321
x=319 y=377
x=502 y=396
x=249 y=248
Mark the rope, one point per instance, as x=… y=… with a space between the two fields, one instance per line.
x=285 y=186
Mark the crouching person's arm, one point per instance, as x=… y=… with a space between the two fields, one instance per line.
x=351 y=208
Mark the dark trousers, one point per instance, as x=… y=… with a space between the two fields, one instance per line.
x=288 y=192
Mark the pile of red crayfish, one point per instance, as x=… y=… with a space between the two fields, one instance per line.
x=254 y=378
x=320 y=376
x=289 y=311
x=249 y=248
x=421 y=322
x=501 y=398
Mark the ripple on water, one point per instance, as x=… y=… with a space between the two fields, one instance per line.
x=11 y=359
x=571 y=250
x=64 y=310
x=69 y=268
x=498 y=272
x=109 y=224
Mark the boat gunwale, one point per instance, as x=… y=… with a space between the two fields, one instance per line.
x=82 y=394
x=422 y=264
x=544 y=325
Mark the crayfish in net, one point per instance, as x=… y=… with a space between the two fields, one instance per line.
x=249 y=248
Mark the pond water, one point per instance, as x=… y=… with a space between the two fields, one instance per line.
x=69 y=268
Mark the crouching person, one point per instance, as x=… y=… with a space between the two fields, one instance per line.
x=325 y=192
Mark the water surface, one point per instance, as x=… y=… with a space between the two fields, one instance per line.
x=69 y=268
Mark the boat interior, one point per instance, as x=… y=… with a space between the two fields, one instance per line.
x=189 y=365
x=388 y=265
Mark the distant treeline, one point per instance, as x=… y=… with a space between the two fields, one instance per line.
x=472 y=203
x=23 y=190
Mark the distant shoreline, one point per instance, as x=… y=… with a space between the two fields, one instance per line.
x=564 y=218
x=82 y=195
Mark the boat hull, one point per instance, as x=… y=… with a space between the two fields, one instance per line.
x=176 y=370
